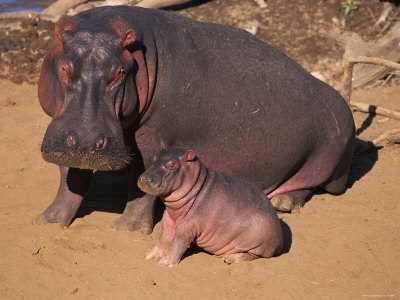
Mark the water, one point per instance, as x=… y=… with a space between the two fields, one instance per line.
x=18 y=5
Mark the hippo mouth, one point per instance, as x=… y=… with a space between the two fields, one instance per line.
x=115 y=158
x=90 y=161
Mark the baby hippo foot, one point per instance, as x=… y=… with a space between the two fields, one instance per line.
x=290 y=202
x=168 y=261
x=238 y=257
x=61 y=211
x=138 y=215
x=155 y=253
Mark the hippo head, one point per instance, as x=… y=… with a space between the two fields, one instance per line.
x=175 y=171
x=93 y=83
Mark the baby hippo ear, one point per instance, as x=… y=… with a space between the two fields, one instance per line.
x=189 y=155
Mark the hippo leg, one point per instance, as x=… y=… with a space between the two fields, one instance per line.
x=74 y=183
x=290 y=201
x=338 y=182
x=166 y=237
x=238 y=257
x=137 y=215
x=179 y=245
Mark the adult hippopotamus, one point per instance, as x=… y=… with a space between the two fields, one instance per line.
x=121 y=82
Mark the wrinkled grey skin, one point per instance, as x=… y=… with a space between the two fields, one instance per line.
x=123 y=82
x=227 y=216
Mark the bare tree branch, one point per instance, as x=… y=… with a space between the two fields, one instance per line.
x=349 y=66
x=386 y=47
x=369 y=108
x=160 y=3
x=387 y=9
x=391 y=136
x=60 y=7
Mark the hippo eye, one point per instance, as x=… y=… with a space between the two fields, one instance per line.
x=121 y=72
x=117 y=74
x=65 y=69
x=171 y=165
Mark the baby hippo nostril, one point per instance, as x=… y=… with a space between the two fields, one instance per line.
x=148 y=181
x=70 y=141
x=101 y=143
x=144 y=180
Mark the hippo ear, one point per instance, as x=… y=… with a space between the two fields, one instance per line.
x=50 y=91
x=122 y=30
x=189 y=155
x=129 y=38
x=65 y=25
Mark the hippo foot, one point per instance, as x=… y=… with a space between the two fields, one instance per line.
x=137 y=216
x=60 y=211
x=154 y=253
x=283 y=203
x=168 y=261
x=238 y=257
x=291 y=201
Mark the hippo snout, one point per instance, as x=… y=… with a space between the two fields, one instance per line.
x=84 y=150
x=71 y=141
x=150 y=184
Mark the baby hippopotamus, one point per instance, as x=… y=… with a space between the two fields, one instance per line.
x=226 y=216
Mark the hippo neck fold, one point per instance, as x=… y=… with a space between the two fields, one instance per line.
x=151 y=66
x=179 y=205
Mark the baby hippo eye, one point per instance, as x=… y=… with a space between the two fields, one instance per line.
x=171 y=165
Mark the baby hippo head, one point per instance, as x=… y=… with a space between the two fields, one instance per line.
x=174 y=171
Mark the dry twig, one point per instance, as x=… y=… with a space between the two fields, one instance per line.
x=369 y=108
x=60 y=7
x=387 y=9
x=388 y=137
x=160 y=3
x=349 y=66
x=386 y=47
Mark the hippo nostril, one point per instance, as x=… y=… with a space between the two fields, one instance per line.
x=71 y=141
x=147 y=180
x=101 y=143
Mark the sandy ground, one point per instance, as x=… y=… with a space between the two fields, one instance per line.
x=345 y=247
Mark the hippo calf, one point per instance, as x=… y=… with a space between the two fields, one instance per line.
x=226 y=216
x=120 y=82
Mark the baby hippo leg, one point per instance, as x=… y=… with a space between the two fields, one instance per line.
x=181 y=242
x=238 y=257
x=166 y=237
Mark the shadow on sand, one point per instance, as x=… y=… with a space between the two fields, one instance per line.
x=109 y=190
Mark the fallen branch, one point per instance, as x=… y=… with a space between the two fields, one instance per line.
x=60 y=7
x=369 y=108
x=388 y=137
x=160 y=3
x=387 y=9
x=349 y=66
x=261 y=3
x=386 y=47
